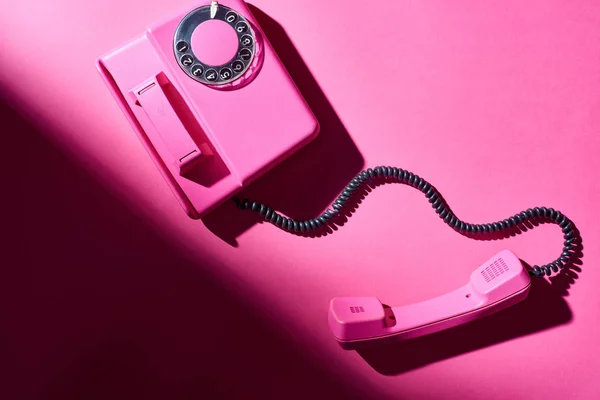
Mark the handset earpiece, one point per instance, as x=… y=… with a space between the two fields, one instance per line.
x=496 y=284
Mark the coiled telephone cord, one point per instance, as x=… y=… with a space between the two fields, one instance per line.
x=392 y=174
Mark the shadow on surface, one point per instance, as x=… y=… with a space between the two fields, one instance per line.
x=544 y=308
x=96 y=305
x=306 y=183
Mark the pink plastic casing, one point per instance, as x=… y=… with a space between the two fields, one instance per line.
x=498 y=283
x=207 y=143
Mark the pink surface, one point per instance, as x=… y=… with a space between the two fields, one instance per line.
x=495 y=103
x=214 y=42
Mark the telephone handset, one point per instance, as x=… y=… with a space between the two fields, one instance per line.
x=210 y=100
x=496 y=284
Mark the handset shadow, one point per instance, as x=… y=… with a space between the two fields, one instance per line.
x=544 y=308
x=305 y=184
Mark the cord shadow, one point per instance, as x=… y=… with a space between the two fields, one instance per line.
x=95 y=304
x=308 y=181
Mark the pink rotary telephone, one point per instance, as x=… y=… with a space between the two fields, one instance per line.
x=210 y=101
x=215 y=108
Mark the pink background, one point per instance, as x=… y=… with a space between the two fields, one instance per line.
x=114 y=292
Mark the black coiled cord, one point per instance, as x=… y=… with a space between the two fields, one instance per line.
x=518 y=221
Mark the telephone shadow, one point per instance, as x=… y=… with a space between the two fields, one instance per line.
x=304 y=185
x=544 y=308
